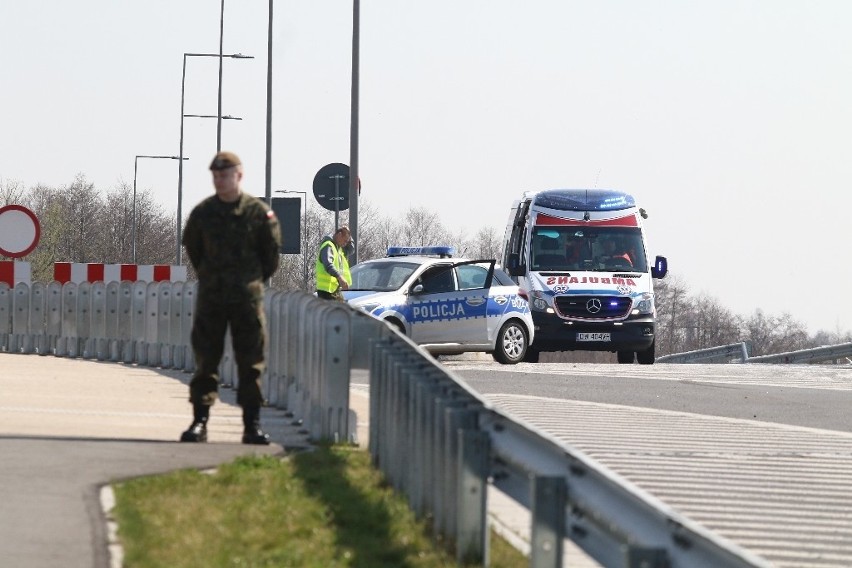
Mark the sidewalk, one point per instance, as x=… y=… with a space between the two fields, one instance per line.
x=69 y=426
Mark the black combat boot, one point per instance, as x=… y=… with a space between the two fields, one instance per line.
x=252 y=434
x=197 y=431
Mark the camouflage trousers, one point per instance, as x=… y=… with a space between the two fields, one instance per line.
x=248 y=336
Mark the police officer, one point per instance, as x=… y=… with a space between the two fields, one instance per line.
x=332 y=266
x=232 y=240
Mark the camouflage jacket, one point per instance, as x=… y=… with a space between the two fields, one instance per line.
x=234 y=247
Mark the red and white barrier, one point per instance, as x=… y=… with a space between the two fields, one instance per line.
x=98 y=272
x=14 y=271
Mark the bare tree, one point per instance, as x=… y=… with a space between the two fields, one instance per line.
x=79 y=225
x=46 y=204
x=155 y=230
x=486 y=243
x=118 y=225
x=11 y=192
x=673 y=307
x=423 y=228
x=83 y=208
x=711 y=324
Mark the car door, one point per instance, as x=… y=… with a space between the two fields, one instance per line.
x=443 y=313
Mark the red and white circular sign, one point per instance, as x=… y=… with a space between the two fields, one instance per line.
x=19 y=231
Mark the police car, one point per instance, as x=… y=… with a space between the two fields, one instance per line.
x=446 y=305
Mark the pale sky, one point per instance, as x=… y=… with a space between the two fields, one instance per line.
x=729 y=121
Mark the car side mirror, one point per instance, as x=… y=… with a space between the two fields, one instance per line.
x=660 y=268
x=418 y=289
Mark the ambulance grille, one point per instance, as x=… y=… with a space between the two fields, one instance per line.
x=593 y=307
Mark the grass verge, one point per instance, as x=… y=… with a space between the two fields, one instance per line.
x=326 y=508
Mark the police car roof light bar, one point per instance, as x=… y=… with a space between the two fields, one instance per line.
x=442 y=252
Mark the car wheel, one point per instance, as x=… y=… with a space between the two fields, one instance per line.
x=511 y=343
x=646 y=357
x=625 y=357
x=395 y=323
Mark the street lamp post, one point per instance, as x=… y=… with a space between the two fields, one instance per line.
x=304 y=233
x=182 y=100
x=135 y=169
x=219 y=104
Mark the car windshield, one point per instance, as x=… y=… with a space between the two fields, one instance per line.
x=381 y=275
x=602 y=249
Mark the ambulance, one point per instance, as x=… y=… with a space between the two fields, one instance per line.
x=581 y=256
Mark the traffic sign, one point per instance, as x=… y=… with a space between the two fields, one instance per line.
x=331 y=187
x=19 y=231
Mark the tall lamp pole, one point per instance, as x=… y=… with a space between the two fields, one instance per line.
x=182 y=100
x=354 y=176
x=304 y=233
x=219 y=106
x=135 y=169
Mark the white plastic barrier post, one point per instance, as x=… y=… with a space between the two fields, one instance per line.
x=54 y=317
x=164 y=324
x=110 y=349
x=20 y=319
x=67 y=344
x=175 y=319
x=38 y=321
x=152 y=348
x=5 y=316
x=98 y=341
x=84 y=319
x=187 y=313
x=137 y=326
x=334 y=383
x=124 y=343
x=273 y=325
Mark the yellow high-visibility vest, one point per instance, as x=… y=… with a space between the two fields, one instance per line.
x=325 y=281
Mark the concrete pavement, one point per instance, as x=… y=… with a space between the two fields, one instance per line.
x=69 y=426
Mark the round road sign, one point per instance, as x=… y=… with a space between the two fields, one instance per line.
x=331 y=187
x=19 y=231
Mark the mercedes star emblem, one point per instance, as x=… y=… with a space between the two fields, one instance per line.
x=593 y=306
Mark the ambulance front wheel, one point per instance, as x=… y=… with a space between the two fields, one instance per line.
x=625 y=357
x=512 y=343
x=647 y=356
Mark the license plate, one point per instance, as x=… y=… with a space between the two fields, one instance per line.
x=593 y=337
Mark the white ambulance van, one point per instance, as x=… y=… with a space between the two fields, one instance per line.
x=581 y=255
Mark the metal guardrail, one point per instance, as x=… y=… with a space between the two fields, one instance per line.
x=739 y=353
x=735 y=352
x=149 y=323
x=435 y=439
x=813 y=355
x=439 y=443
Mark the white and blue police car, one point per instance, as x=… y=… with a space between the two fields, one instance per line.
x=444 y=304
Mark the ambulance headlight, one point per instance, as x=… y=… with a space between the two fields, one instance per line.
x=540 y=302
x=644 y=306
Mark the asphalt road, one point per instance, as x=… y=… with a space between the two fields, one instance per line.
x=759 y=454
x=811 y=396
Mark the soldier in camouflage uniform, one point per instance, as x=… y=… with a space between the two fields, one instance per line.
x=233 y=241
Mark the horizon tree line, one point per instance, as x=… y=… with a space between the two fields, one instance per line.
x=79 y=223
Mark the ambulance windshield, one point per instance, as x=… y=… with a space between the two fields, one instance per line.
x=599 y=249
